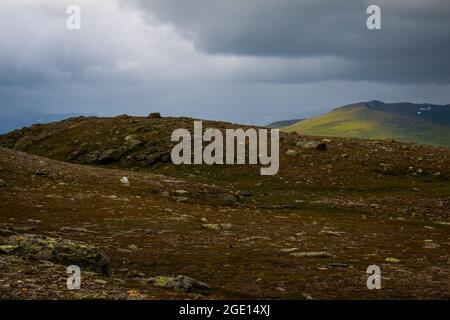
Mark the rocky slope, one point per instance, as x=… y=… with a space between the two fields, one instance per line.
x=311 y=230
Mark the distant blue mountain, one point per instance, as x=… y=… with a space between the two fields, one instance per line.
x=10 y=122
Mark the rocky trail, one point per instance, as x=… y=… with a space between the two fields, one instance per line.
x=212 y=232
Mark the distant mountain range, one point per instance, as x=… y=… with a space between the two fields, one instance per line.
x=283 y=123
x=422 y=123
x=10 y=122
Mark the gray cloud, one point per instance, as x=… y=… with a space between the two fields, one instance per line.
x=412 y=47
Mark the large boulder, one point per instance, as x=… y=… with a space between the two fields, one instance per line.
x=154 y=115
x=181 y=284
x=108 y=156
x=62 y=251
x=319 y=145
x=291 y=153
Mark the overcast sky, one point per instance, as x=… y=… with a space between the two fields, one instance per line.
x=248 y=61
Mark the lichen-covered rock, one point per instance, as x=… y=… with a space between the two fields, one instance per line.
x=227 y=199
x=181 y=284
x=111 y=155
x=133 y=144
x=291 y=153
x=154 y=115
x=66 y=252
x=7 y=249
x=312 y=254
x=319 y=145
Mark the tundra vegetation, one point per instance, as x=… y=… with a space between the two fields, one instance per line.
x=335 y=207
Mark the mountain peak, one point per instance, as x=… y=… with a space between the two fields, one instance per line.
x=423 y=123
x=374 y=103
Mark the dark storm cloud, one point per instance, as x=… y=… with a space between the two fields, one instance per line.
x=413 y=45
x=252 y=61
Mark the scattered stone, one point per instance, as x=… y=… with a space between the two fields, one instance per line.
x=392 y=260
x=287 y=250
x=312 y=254
x=23 y=228
x=291 y=153
x=337 y=265
x=133 y=247
x=101 y=281
x=7 y=249
x=333 y=233
x=227 y=199
x=133 y=144
x=220 y=226
x=181 y=199
x=254 y=238
x=385 y=166
x=3 y=184
x=6 y=233
x=431 y=245
x=61 y=251
x=122 y=250
x=154 y=115
x=181 y=284
x=125 y=181
x=321 y=146
x=110 y=155
x=42 y=173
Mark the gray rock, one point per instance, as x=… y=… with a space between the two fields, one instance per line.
x=312 y=254
x=291 y=153
x=319 y=145
x=154 y=115
x=61 y=251
x=227 y=198
x=217 y=226
x=133 y=144
x=181 y=284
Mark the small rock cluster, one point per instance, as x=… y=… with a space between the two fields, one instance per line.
x=56 y=250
